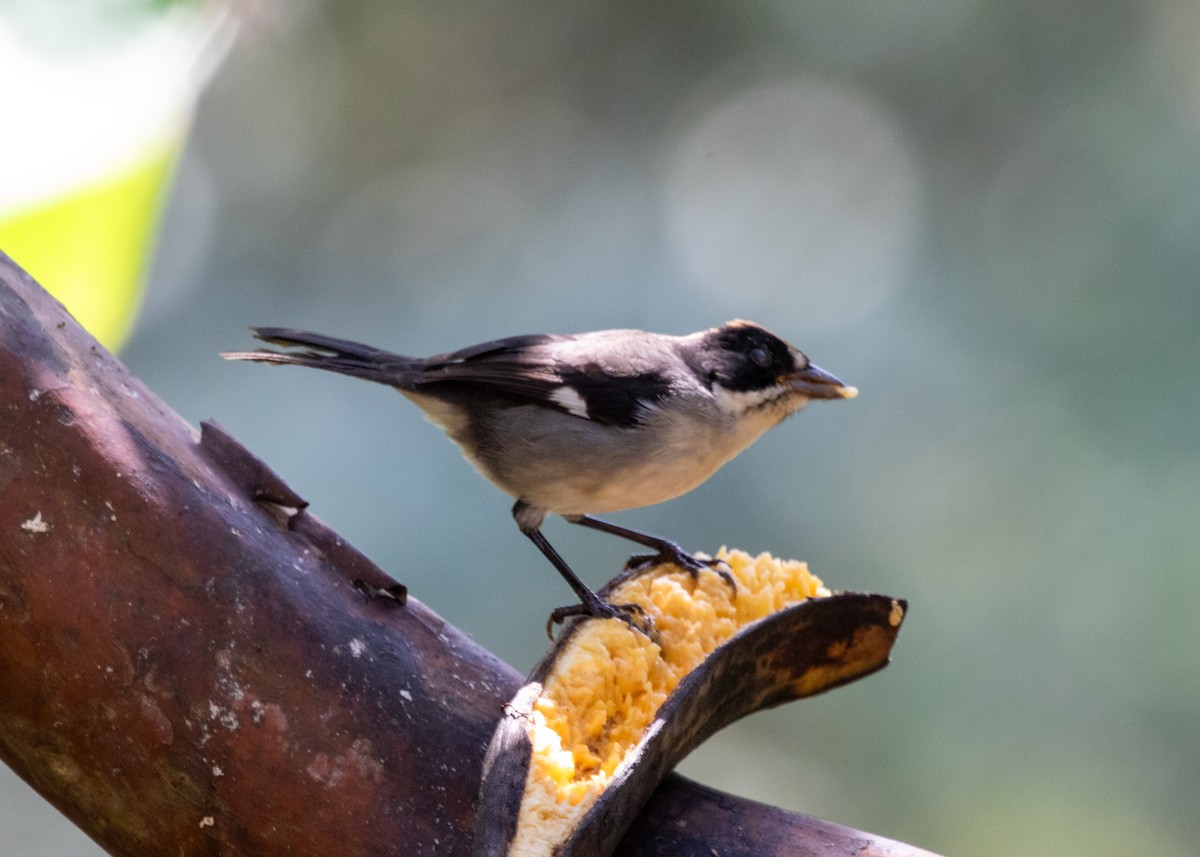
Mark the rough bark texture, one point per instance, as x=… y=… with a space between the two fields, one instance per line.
x=191 y=664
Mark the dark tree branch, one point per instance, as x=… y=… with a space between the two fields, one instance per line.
x=192 y=664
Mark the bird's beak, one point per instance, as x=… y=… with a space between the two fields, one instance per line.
x=816 y=383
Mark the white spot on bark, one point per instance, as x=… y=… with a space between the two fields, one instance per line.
x=36 y=525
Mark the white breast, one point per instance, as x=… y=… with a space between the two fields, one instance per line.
x=572 y=467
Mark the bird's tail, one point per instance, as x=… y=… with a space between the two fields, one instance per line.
x=333 y=355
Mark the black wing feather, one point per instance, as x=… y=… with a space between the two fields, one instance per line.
x=518 y=366
x=618 y=402
x=525 y=367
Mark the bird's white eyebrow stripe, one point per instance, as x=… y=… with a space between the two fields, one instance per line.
x=568 y=398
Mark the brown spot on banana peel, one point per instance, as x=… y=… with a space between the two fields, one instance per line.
x=801 y=650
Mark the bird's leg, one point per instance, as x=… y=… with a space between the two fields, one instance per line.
x=667 y=551
x=590 y=604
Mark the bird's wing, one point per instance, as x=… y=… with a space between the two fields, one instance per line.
x=533 y=368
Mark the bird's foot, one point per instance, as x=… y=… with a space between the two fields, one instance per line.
x=670 y=553
x=632 y=615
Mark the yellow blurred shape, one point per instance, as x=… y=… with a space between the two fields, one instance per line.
x=89 y=247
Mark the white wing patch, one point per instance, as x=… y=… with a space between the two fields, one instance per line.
x=568 y=398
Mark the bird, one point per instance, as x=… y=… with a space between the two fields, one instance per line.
x=583 y=424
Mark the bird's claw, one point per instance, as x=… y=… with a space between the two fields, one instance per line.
x=633 y=615
x=671 y=554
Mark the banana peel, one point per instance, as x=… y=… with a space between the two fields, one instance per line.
x=608 y=712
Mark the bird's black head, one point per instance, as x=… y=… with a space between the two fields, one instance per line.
x=743 y=357
x=749 y=368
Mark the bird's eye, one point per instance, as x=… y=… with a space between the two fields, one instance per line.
x=760 y=356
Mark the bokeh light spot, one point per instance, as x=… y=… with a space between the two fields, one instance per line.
x=795 y=195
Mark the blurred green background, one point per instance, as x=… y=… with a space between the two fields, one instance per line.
x=983 y=213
